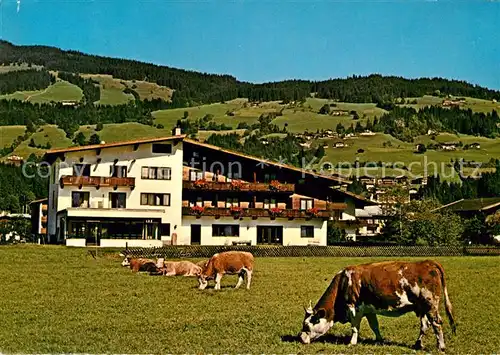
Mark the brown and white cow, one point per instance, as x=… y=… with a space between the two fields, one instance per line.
x=177 y=268
x=390 y=288
x=228 y=262
x=140 y=264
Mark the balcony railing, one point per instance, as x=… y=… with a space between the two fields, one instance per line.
x=44 y=208
x=238 y=186
x=97 y=181
x=43 y=231
x=44 y=219
x=258 y=212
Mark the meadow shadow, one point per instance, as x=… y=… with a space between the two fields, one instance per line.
x=343 y=340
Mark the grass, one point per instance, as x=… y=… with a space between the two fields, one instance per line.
x=8 y=134
x=72 y=303
x=476 y=105
x=59 y=91
x=47 y=133
x=23 y=66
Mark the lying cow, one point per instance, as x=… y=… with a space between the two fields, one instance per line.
x=228 y=262
x=140 y=264
x=177 y=268
x=389 y=288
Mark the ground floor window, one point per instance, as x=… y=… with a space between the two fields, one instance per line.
x=270 y=235
x=165 y=229
x=225 y=230
x=307 y=231
x=95 y=230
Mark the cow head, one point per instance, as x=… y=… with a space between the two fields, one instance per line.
x=203 y=281
x=126 y=261
x=315 y=324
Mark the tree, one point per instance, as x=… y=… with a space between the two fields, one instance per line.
x=186 y=115
x=95 y=139
x=99 y=127
x=340 y=129
x=32 y=143
x=79 y=139
x=358 y=128
x=324 y=110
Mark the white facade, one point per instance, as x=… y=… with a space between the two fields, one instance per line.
x=167 y=220
x=134 y=158
x=248 y=230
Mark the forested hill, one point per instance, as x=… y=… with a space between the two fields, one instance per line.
x=192 y=88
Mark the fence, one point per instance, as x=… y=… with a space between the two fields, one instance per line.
x=194 y=251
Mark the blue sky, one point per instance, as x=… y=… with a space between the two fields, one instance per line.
x=273 y=40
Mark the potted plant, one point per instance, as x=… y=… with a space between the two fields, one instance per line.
x=275 y=212
x=200 y=184
x=237 y=184
x=236 y=211
x=312 y=212
x=275 y=185
x=197 y=210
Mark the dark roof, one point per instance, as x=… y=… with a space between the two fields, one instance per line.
x=471 y=205
x=269 y=162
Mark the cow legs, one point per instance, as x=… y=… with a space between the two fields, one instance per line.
x=355 y=320
x=373 y=322
x=218 y=277
x=436 y=323
x=249 y=278
x=241 y=276
x=424 y=325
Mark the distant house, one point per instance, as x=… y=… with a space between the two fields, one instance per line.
x=453 y=103
x=448 y=146
x=468 y=208
x=339 y=145
x=15 y=160
x=339 y=113
x=69 y=102
x=325 y=146
x=305 y=145
x=367 y=133
x=475 y=146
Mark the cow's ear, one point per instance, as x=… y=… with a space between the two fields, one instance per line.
x=321 y=313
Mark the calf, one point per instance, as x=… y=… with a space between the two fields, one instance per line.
x=229 y=262
x=140 y=264
x=387 y=288
x=178 y=268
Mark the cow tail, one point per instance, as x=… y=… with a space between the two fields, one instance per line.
x=447 y=303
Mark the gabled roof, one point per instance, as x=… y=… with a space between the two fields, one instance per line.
x=265 y=161
x=471 y=205
x=111 y=145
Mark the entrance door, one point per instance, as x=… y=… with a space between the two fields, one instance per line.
x=195 y=234
x=270 y=235
x=93 y=233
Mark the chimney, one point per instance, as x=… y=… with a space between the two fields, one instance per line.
x=176 y=131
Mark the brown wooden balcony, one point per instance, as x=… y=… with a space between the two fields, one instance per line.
x=255 y=213
x=97 y=181
x=44 y=219
x=238 y=186
x=44 y=208
x=43 y=231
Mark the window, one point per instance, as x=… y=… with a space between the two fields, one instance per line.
x=162 y=148
x=81 y=170
x=118 y=199
x=155 y=173
x=225 y=230
x=269 y=203
x=165 y=229
x=80 y=199
x=151 y=199
x=306 y=204
x=232 y=202
x=269 y=177
x=307 y=231
x=198 y=201
x=118 y=171
x=195 y=175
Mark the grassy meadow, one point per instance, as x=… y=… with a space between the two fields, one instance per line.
x=73 y=303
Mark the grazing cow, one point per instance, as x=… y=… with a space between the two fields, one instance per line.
x=140 y=264
x=389 y=288
x=177 y=268
x=228 y=262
